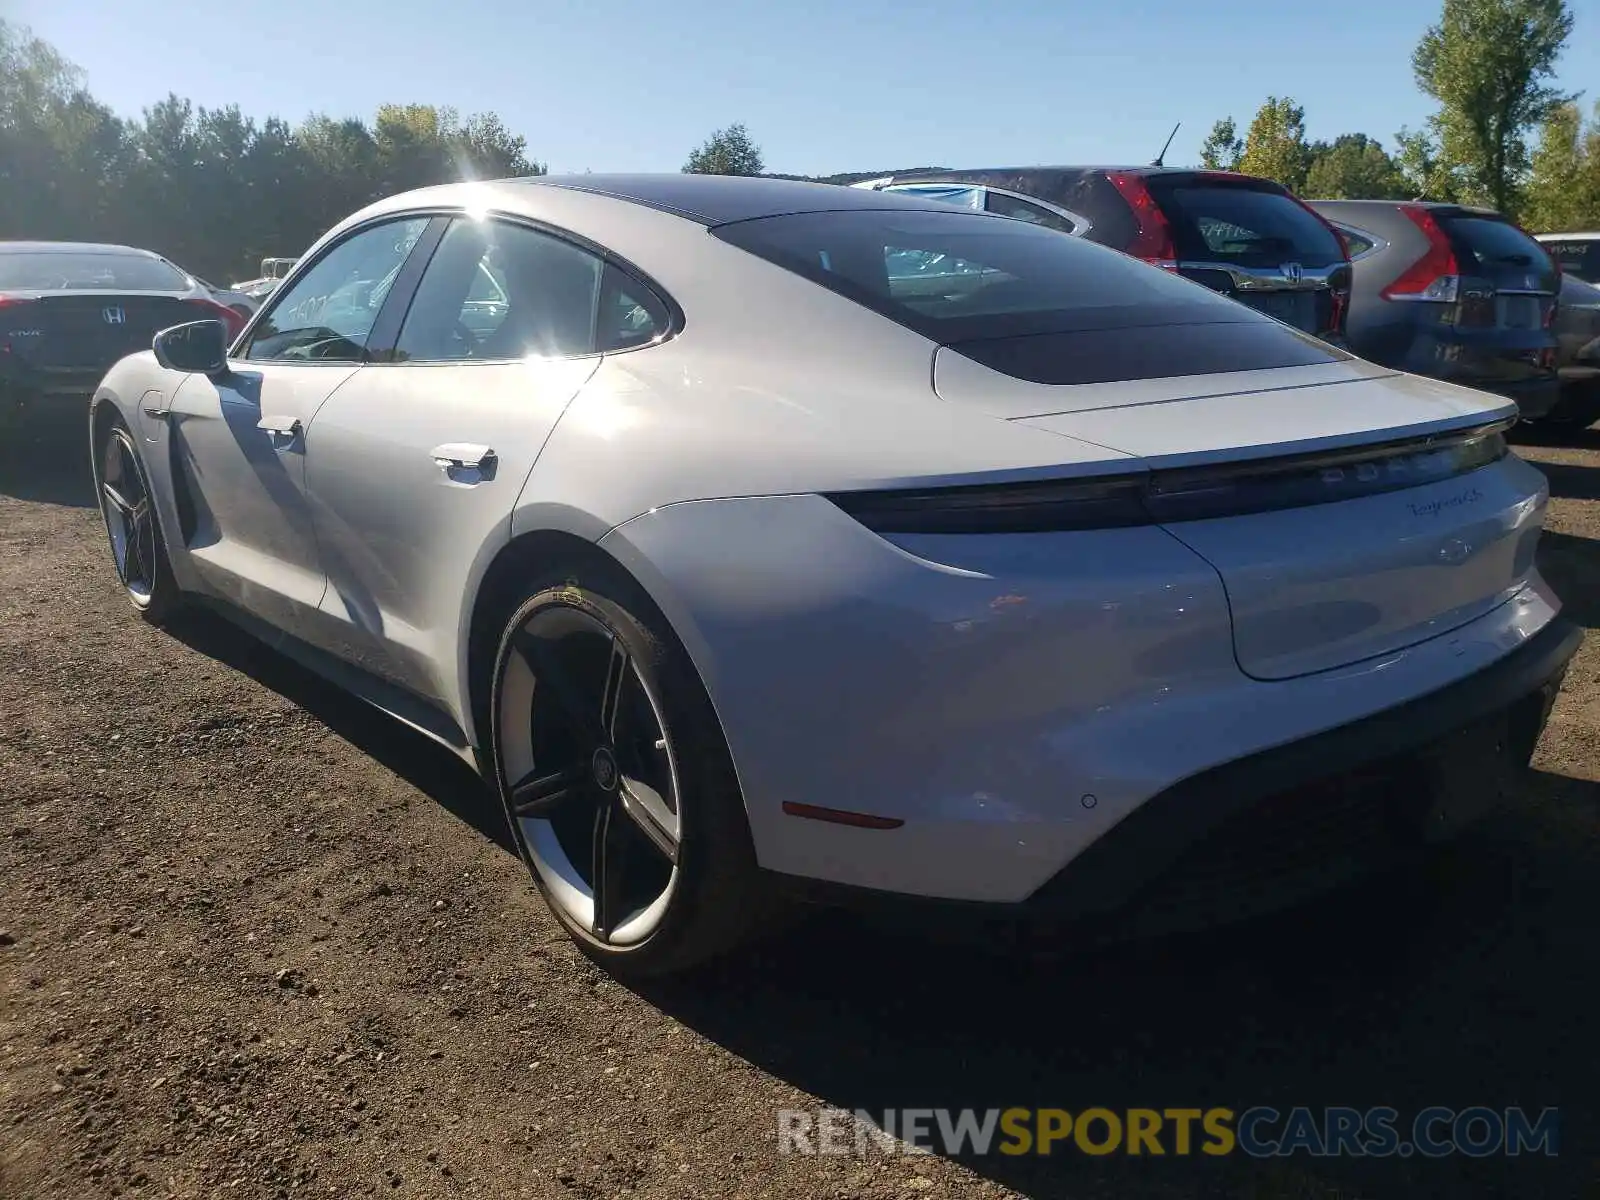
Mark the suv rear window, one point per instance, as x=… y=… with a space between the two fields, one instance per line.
x=1578 y=256
x=1244 y=226
x=1022 y=298
x=63 y=271
x=1493 y=247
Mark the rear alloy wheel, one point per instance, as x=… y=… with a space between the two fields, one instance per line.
x=617 y=784
x=137 y=548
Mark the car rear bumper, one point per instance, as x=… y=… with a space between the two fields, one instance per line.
x=1278 y=826
x=1001 y=704
x=22 y=380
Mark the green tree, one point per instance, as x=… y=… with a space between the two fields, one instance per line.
x=726 y=152
x=1275 y=146
x=1222 y=148
x=1353 y=167
x=1488 y=63
x=1563 y=190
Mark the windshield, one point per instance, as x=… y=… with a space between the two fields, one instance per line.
x=963 y=279
x=60 y=271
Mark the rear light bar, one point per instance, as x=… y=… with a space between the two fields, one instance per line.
x=1436 y=276
x=1153 y=241
x=1169 y=497
x=220 y=312
x=11 y=301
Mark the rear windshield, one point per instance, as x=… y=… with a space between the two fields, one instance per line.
x=53 y=271
x=1494 y=247
x=1244 y=227
x=981 y=283
x=1577 y=257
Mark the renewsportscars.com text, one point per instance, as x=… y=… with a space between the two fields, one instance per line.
x=1259 y=1132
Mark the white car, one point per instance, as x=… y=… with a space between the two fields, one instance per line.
x=760 y=538
x=1577 y=253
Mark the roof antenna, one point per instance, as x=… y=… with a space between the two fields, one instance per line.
x=1157 y=162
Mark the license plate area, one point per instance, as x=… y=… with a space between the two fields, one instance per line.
x=1469 y=774
x=1519 y=312
x=1292 y=308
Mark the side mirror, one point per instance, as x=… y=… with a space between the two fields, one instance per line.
x=199 y=348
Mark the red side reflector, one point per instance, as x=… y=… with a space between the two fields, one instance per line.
x=839 y=816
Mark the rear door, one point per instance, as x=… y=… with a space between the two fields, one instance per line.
x=1252 y=241
x=415 y=465
x=239 y=442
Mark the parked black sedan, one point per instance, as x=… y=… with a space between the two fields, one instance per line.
x=1458 y=293
x=69 y=310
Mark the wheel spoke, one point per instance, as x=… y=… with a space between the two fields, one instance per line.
x=617 y=671
x=536 y=795
x=550 y=678
x=118 y=501
x=644 y=806
x=609 y=870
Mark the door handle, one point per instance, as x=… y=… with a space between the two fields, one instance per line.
x=465 y=464
x=463 y=456
x=286 y=432
x=157 y=412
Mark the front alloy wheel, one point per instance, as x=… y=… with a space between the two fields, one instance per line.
x=137 y=549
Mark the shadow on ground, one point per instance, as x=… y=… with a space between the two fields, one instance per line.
x=45 y=458
x=1572 y=566
x=424 y=764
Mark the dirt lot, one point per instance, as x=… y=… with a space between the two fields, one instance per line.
x=259 y=942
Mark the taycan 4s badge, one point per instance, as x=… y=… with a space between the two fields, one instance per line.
x=1434 y=507
x=1293 y=272
x=114 y=315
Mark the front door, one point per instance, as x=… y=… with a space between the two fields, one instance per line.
x=240 y=440
x=414 y=466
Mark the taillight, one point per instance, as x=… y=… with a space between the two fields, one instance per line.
x=12 y=301
x=1436 y=275
x=1153 y=241
x=214 y=311
x=1171 y=496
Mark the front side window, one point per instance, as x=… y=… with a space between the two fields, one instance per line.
x=496 y=291
x=327 y=314
x=1023 y=298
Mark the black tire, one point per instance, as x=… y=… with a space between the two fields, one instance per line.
x=717 y=900
x=155 y=594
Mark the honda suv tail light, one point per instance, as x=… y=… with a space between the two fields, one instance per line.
x=1153 y=241
x=1435 y=276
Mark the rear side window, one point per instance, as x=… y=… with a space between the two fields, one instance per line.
x=1243 y=226
x=983 y=285
x=48 y=271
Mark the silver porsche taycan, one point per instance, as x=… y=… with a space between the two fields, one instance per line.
x=760 y=538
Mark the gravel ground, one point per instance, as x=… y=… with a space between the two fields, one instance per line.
x=260 y=942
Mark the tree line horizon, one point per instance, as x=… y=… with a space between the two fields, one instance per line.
x=216 y=191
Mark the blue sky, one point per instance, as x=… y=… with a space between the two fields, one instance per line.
x=823 y=85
